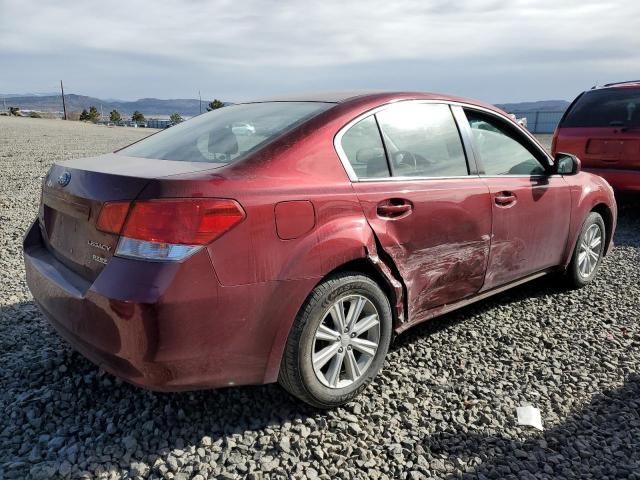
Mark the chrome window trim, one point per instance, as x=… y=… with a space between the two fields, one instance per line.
x=537 y=176
x=337 y=141
x=409 y=179
x=475 y=175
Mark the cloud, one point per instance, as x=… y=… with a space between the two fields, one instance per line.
x=225 y=38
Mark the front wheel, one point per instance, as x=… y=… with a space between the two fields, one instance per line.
x=588 y=251
x=338 y=341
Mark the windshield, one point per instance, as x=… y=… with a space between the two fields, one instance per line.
x=608 y=107
x=226 y=134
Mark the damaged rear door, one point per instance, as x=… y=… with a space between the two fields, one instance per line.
x=428 y=208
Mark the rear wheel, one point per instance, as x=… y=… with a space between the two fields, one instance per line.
x=338 y=341
x=588 y=252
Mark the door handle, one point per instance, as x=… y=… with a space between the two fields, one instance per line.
x=394 y=208
x=504 y=199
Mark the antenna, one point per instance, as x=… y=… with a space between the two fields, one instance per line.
x=64 y=106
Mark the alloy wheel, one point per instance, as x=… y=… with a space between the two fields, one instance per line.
x=346 y=341
x=590 y=250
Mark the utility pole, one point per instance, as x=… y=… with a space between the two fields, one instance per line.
x=200 y=97
x=64 y=106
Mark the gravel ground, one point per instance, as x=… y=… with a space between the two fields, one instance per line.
x=444 y=406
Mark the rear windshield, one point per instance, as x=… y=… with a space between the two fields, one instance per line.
x=226 y=134
x=608 y=107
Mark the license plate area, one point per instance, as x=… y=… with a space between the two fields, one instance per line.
x=607 y=150
x=62 y=232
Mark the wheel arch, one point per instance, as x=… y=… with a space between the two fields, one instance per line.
x=589 y=193
x=374 y=268
x=607 y=216
x=369 y=264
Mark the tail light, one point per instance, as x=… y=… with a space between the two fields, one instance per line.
x=112 y=216
x=168 y=229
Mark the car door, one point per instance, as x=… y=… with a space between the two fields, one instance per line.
x=531 y=206
x=427 y=206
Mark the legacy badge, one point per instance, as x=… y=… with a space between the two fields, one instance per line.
x=101 y=246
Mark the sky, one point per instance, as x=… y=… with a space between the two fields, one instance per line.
x=494 y=50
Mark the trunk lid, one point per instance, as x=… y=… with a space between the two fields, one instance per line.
x=73 y=194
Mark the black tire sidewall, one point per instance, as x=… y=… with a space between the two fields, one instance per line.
x=351 y=285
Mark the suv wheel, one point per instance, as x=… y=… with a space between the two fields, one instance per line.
x=338 y=341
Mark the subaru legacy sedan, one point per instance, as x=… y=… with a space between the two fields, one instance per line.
x=199 y=258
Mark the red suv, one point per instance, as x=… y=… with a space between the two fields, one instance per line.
x=602 y=127
x=200 y=258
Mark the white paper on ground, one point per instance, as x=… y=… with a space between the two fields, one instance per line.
x=529 y=416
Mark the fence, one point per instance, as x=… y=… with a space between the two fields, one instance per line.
x=157 y=123
x=540 y=121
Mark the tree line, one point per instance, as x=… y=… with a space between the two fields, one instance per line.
x=93 y=115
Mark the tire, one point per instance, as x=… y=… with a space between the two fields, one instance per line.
x=314 y=338
x=578 y=273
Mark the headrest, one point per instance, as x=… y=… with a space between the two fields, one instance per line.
x=375 y=160
x=224 y=141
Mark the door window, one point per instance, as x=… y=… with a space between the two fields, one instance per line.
x=363 y=148
x=500 y=151
x=422 y=140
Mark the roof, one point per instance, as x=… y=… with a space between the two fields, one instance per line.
x=628 y=83
x=321 y=96
x=360 y=95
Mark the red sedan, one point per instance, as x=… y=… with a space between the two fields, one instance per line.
x=214 y=254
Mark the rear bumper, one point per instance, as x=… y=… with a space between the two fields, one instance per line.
x=620 y=180
x=162 y=326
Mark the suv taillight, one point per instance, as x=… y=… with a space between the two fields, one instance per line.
x=168 y=229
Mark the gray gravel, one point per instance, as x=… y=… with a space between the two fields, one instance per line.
x=444 y=406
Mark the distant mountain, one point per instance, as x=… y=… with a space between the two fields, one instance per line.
x=34 y=94
x=540 y=106
x=188 y=107
x=76 y=103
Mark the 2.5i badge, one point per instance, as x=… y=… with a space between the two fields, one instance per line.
x=99 y=259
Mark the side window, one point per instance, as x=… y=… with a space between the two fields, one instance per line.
x=422 y=140
x=500 y=152
x=364 y=150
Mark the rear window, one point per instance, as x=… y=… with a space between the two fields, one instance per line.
x=608 y=107
x=226 y=134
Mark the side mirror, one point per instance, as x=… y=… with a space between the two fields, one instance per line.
x=567 y=164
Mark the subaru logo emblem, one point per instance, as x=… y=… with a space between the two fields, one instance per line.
x=64 y=179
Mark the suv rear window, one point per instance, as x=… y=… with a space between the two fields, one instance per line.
x=607 y=107
x=226 y=134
